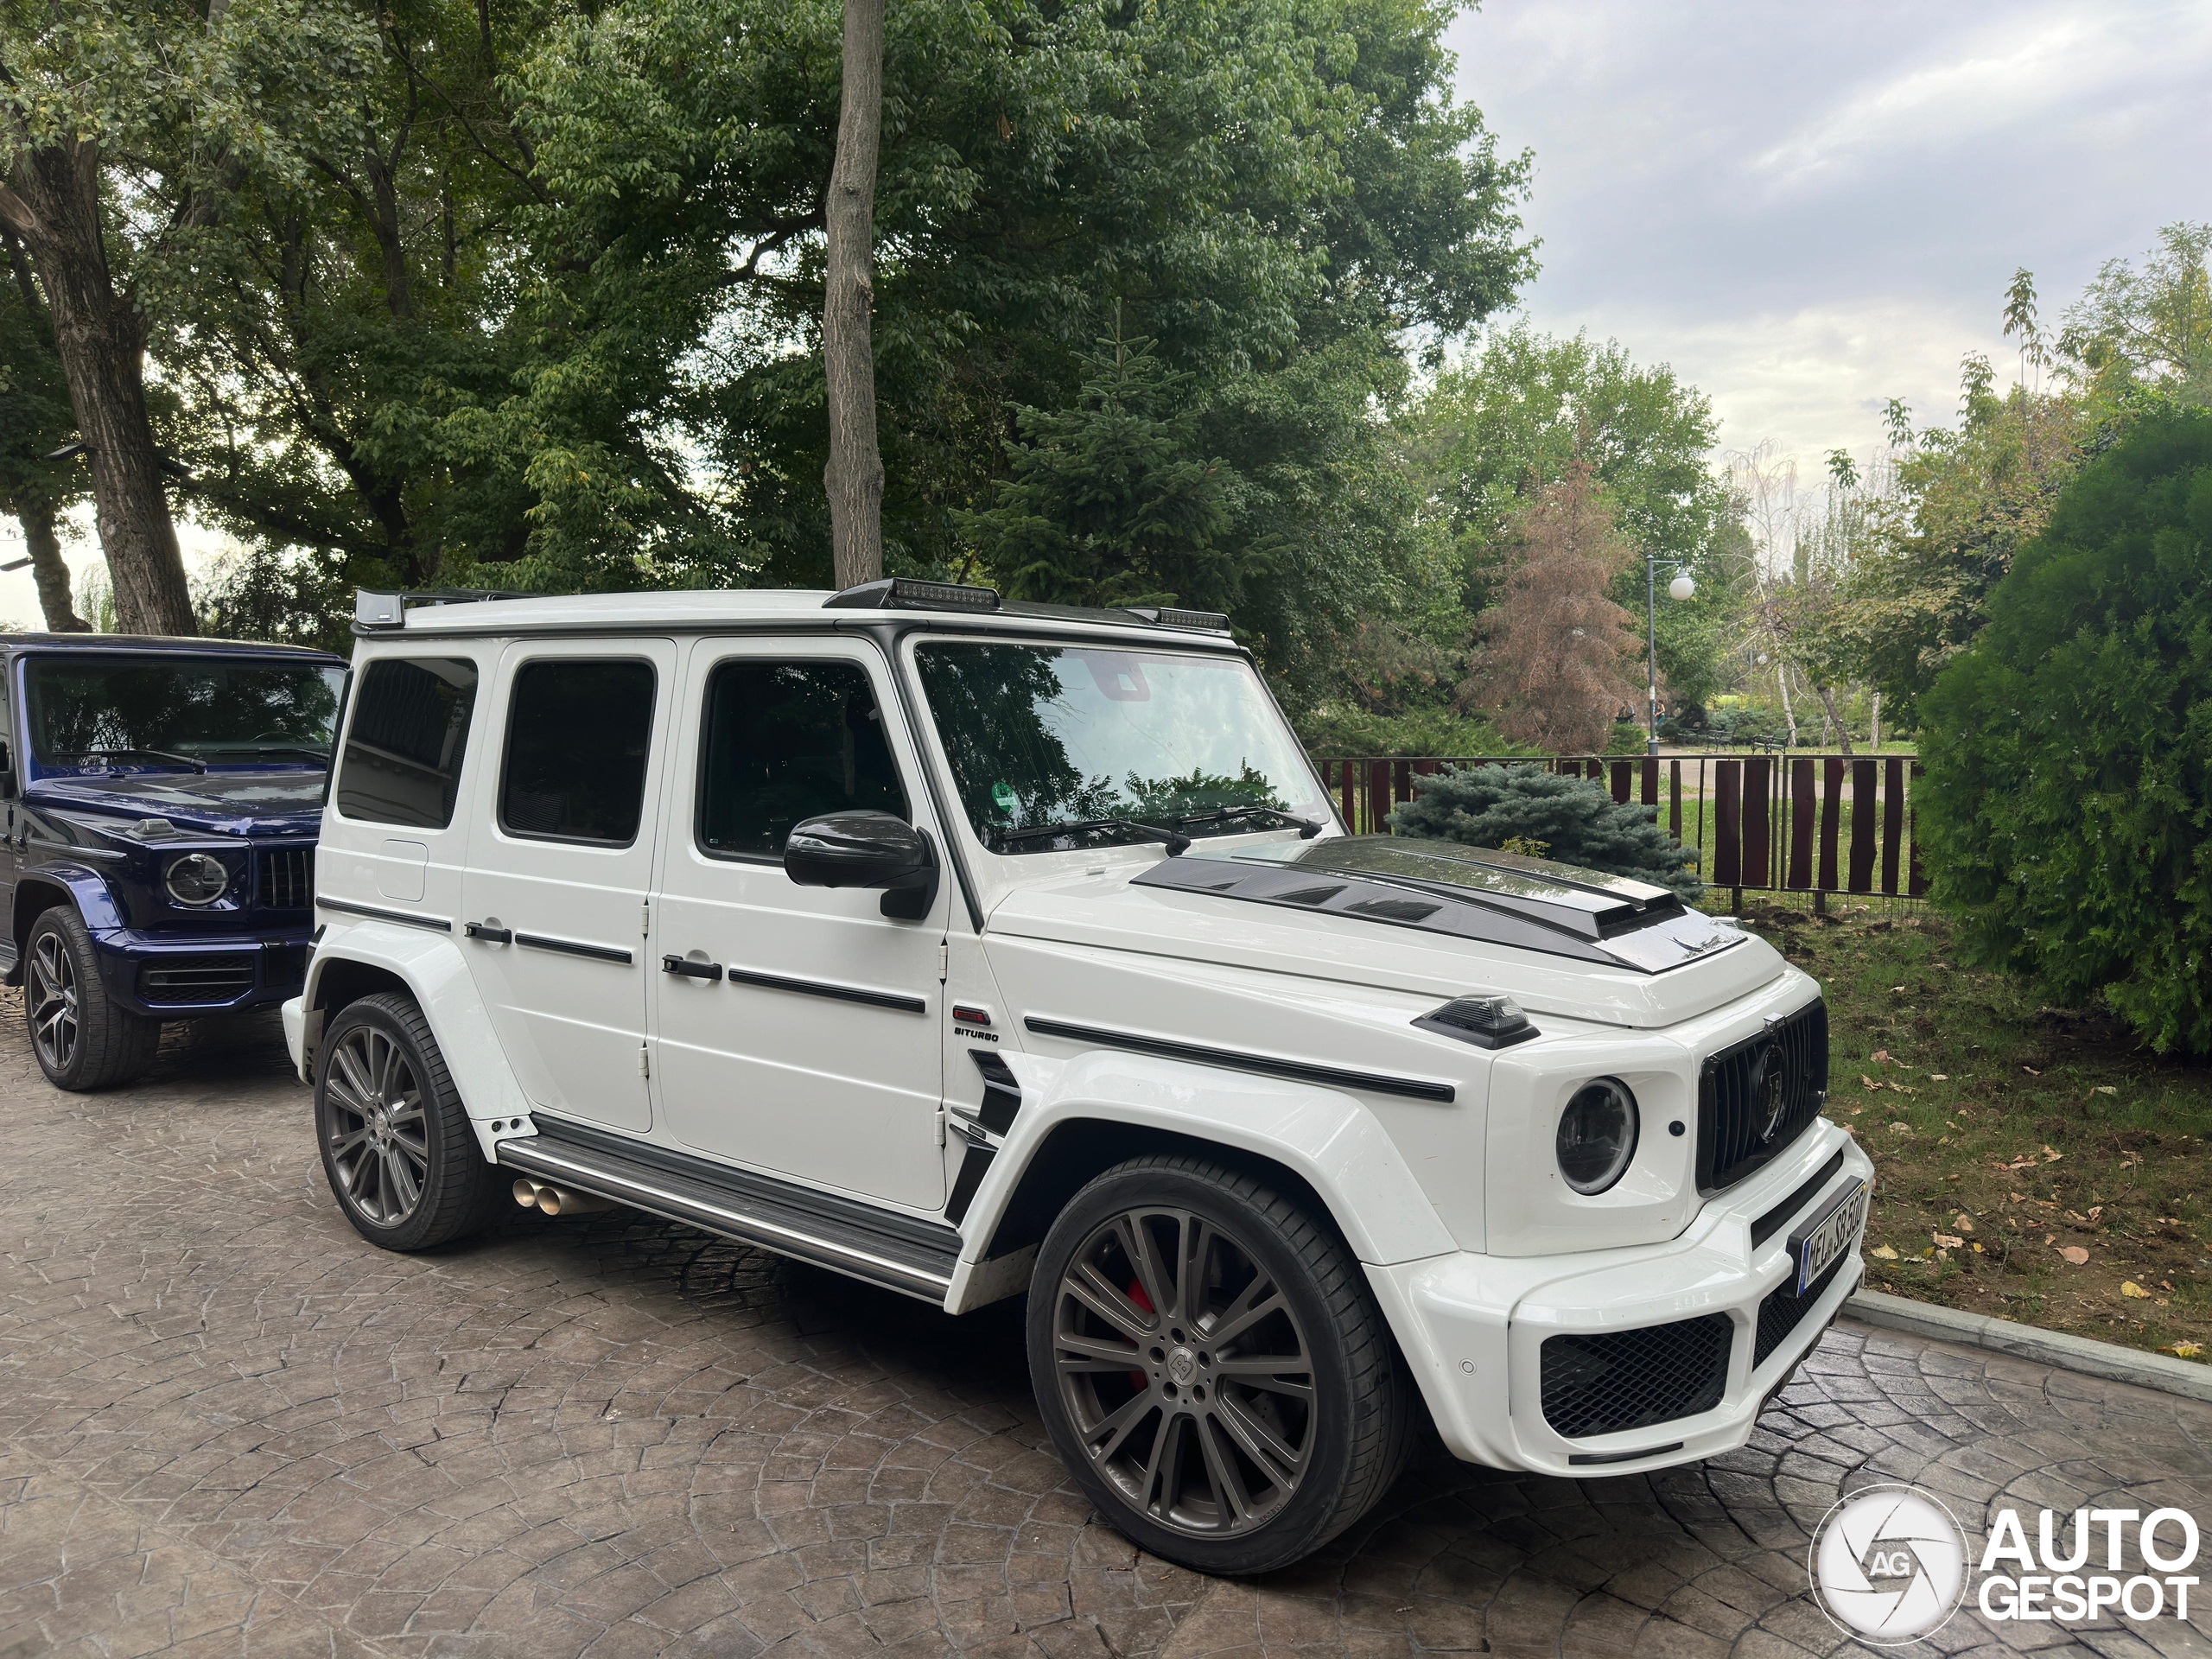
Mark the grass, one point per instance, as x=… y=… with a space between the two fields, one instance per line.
x=2032 y=1162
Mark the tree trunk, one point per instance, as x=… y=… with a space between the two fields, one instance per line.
x=49 y=570
x=854 y=477
x=1827 y=707
x=51 y=200
x=1789 y=712
x=1874 y=726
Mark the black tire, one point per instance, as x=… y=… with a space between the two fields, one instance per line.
x=1277 y=1474
x=396 y=1148
x=82 y=1039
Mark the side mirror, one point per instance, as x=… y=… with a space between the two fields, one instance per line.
x=864 y=848
x=7 y=764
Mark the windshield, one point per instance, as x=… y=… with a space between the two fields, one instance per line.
x=159 y=713
x=1097 y=744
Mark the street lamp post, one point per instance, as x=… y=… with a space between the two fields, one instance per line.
x=1680 y=588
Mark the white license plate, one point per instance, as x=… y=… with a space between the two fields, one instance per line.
x=1819 y=1242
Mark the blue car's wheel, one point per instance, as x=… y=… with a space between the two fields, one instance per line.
x=82 y=1039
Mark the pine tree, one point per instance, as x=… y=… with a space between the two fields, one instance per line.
x=1113 y=501
x=1556 y=659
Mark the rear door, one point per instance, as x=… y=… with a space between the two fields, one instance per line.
x=560 y=861
x=804 y=1037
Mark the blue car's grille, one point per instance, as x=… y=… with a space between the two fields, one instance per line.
x=287 y=877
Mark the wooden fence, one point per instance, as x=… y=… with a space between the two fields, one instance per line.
x=1817 y=823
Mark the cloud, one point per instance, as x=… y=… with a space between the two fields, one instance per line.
x=1807 y=210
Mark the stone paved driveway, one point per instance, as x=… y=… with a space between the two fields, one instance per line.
x=227 y=1425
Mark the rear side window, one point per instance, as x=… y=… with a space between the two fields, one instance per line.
x=784 y=741
x=578 y=735
x=409 y=736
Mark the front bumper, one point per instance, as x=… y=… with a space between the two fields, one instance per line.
x=182 y=975
x=1474 y=1327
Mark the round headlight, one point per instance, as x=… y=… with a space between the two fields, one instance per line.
x=197 y=879
x=1597 y=1135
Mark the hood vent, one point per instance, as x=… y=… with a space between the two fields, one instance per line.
x=1440 y=886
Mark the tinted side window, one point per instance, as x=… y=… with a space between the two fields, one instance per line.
x=782 y=741
x=409 y=737
x=578 y=734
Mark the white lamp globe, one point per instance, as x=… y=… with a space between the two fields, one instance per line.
x=1680 y=588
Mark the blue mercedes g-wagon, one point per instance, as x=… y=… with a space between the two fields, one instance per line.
x=160 y=798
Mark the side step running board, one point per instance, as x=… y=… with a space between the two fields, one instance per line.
x=883 y=1246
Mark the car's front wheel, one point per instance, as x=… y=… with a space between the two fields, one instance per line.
x=396 y=1148
x=1212 y=1367
x=82 y=1039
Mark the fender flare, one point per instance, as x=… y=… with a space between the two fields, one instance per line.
x=1326 y=1137
x=87 y=889
x=439 y=980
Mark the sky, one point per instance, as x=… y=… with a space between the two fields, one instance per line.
x=1808 y=210
x=1805 y=209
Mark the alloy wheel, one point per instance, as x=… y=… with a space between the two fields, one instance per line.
x=379 y=1144
x=1185 y=1371
x=54 y=1026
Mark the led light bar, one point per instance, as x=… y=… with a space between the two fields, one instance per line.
x=1170 y=616
x=909 y=593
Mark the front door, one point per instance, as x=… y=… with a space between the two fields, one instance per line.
x=813 y=1052
x=560 y=861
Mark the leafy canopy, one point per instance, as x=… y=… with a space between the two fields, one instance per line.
x=2066 y=814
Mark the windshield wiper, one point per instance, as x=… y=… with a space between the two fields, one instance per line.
x=321 y=757
x=1306 y=828
x=1175 y=844
x=108 y=755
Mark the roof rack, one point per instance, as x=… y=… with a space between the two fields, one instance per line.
x=912 y=594
x=374 y=611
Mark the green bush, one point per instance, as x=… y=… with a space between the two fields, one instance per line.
x=1575 y=820
x=2064 y=816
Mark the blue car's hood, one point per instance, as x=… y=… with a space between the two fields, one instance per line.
x=288 y=803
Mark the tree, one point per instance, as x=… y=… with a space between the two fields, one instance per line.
x=36 y=422
x=124 y=129
x=1550 y=815
x=2069 y=793
x=1504 y=423
x=1112 y=502
x=854 y=472
x=1556 y=666
x=2152 y=328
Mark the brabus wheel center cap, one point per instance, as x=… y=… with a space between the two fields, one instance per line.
x=1182 y=1366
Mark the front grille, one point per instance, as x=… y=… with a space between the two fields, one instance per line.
x=1785 y=1309
x=1748 y=1112
x=1619 y=1380
x=196 y=979
x=287 y=878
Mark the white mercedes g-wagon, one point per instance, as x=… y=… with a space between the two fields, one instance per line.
x=973 y=948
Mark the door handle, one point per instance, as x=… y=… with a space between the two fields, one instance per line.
x=489 y=935
x=709 y=971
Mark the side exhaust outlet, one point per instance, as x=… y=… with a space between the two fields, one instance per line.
x=558 y=1200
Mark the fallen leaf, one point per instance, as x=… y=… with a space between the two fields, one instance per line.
x=2104 y=1088
x=2017 y=1198
x=2129 y=1287
x=2183 y=1350
x=1903 y=1089
x=1947 y=1241
x=2051 y=1238
x=1978 y=1250
x=1882 y=1055
x=1900 y=989
x=2096 y=1213
x=1883 y=1253
x=1964 y=1223
x=1867 y=1081
x=1939 y=1076
x=2031 y=1072
x=1900 y=1129
x=2050 y=1157
x=2076 y=1255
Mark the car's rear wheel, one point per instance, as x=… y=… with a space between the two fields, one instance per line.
x=1211 y=1366
x=396 y=1148
x=82 y=1039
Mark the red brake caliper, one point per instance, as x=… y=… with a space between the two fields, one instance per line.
x=1137 y=1295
